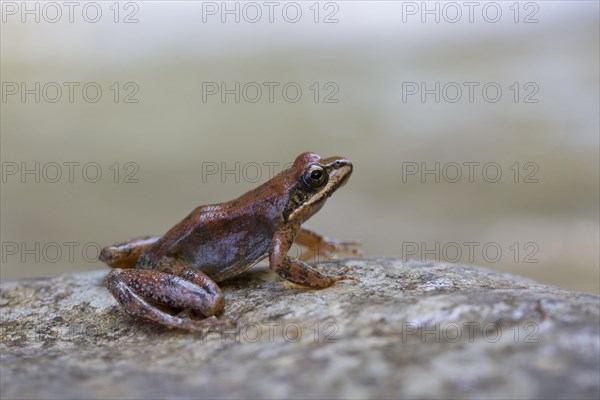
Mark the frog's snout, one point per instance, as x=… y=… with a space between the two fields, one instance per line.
x=342 y=169
x=337 y=165
x=343 y=163
x=105 y=255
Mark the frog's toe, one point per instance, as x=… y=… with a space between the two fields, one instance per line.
x=345 y=270
x=342 y=275
x=350 y=247
x=210 y=324
x=350 y=243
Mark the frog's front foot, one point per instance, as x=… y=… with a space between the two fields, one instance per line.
x=297 y=271
x=140 y=292
x=301 y=273
x=325 y=247
x=343 y=274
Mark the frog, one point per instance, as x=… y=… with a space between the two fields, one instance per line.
x=156 y=278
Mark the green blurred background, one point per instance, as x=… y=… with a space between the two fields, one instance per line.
x=367 y=56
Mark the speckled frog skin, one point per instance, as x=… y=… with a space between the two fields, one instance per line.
x=179 y=271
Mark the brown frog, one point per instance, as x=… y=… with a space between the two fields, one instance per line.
x=180 y=270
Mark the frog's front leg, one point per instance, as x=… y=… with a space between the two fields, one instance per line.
x=174 y=284
x=317 y=244
x=295 y=270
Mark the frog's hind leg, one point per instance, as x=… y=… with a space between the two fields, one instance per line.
x=126 y=254
x=174 y=284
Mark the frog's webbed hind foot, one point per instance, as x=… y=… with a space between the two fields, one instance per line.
x=141 y=292
x=126 y=254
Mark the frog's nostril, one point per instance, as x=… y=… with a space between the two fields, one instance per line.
x=346 y=163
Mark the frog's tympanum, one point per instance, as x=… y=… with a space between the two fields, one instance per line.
x=155 y=276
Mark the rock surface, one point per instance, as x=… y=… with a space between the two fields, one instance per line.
x=406 y=330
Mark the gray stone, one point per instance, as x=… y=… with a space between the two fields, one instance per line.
x=406 y=330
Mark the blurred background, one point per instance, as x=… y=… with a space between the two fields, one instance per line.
x=474 y=130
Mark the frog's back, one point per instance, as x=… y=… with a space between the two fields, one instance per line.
x=224 y=244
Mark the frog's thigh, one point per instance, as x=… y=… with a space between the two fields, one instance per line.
x=197 y=277
x=136 y=290
x=294 y=270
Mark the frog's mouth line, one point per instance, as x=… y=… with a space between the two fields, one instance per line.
x=337 y=180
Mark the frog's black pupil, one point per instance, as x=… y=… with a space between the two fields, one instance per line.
x=315 y=175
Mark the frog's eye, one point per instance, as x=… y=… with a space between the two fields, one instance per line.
x=315 y=176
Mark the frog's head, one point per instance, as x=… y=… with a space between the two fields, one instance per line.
x=312 y=181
